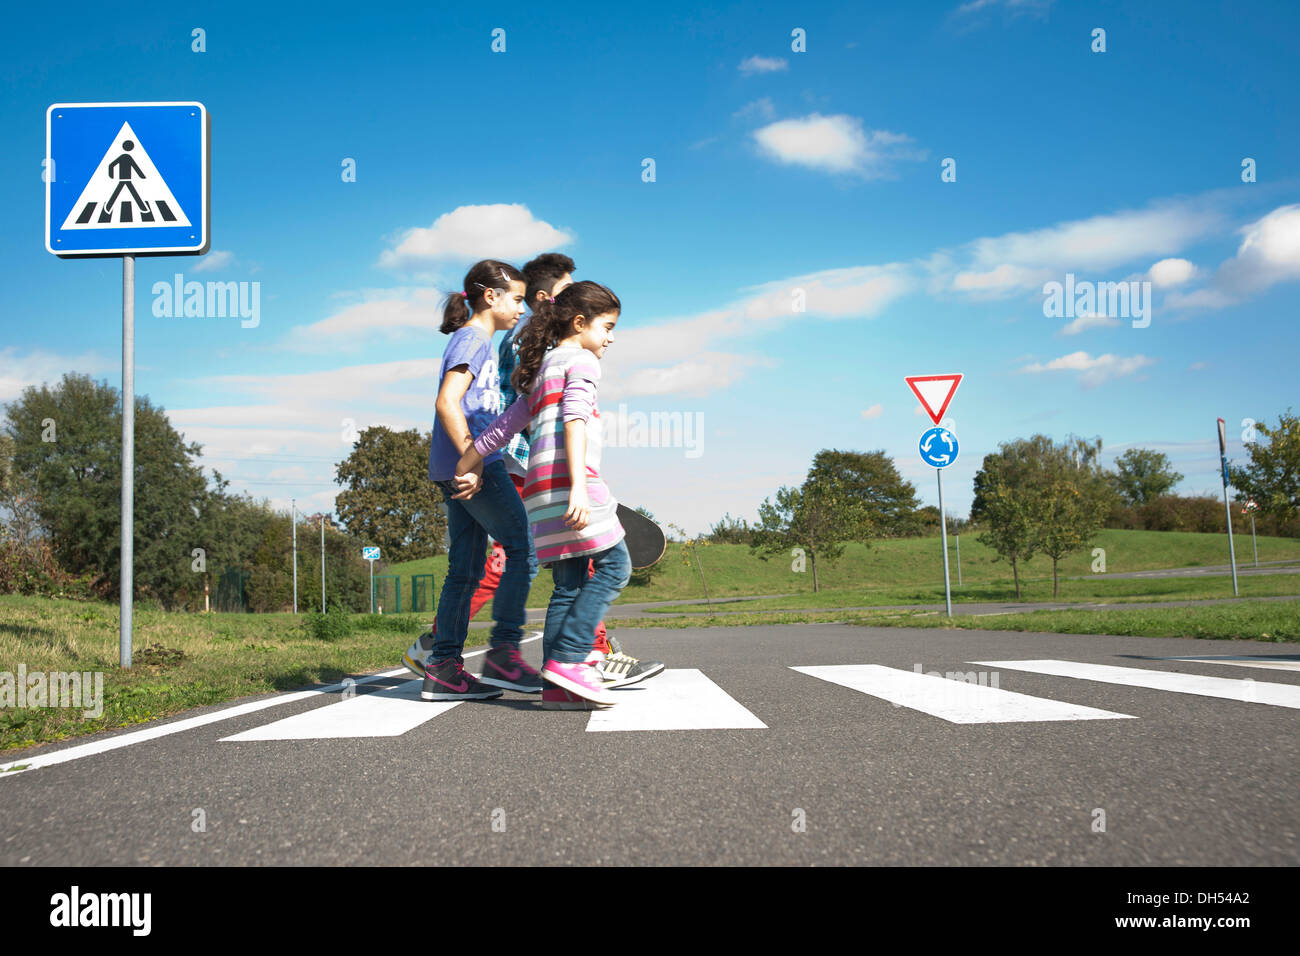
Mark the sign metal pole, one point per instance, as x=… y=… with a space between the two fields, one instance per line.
x=958 y=559
x=128 y=459
x=293 y=520
x=943 y=530
x=1227 y=509
x=322 y=564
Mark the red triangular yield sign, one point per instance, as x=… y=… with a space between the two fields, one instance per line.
x=934 y=392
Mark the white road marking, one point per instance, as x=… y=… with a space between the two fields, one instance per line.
x=957 y=702
x=387 y=713
x=1282 y=663
x=1246 y=689
x=680 y=699
x=153 y=733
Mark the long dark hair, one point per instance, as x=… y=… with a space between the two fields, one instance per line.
x=553 y=321
x=488 y=274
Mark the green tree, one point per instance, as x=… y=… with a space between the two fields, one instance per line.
x=1069 y=515
x=1012 y=525
x=1035 y=495
x=390 y=501
x=67 y=448
x=818 y=517
x=730 y=530
x=1142 y=475
x=889 y=502
x=1272 y=478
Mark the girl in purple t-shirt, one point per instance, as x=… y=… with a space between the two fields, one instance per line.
x=468 y=400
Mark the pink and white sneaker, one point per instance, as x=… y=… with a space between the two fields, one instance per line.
x=580 y=678
x=557 y=698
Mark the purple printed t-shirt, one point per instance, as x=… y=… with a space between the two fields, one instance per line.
x=482 y=401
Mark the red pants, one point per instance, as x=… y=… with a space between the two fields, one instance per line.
x=492 y=577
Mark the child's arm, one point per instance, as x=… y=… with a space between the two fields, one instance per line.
x=503 y=428
x=576 y=408
x=575 y=451
x=452 y=418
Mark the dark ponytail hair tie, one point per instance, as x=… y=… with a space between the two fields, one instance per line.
x=464 y=295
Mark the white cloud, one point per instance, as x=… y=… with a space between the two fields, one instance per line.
x=1090 y=321
x=469 y=233
x=1269 y=253
x=1013 y=7
x=1101 y=242
x=1000 y=281
x=1171 y=272
x=875 y=411
x=394 y=315
x=1094 y=371
x=216 y=259
x=836 y=144
x=761 y=108
x=763 y=64
x=1197 y=366
x=38 y=367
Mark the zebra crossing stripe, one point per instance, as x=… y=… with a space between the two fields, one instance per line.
x=680 y=699
x=957 y=702
x=1279 y=663
x=386 y=713
x=1247 y=689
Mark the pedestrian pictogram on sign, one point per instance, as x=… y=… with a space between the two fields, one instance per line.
x=126 y=171
x=127 y=179
x=934 y=392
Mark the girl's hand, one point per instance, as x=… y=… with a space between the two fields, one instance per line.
x=579 y=508
x=469 y=483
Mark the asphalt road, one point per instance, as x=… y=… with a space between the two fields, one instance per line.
x=801 y=771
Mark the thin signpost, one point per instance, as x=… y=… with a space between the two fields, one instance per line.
x=127 y=180
x=372 y=555
x=293 y=519
x=322 y=564
x=1227 y=509
x=938 y=448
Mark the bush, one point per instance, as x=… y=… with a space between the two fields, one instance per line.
x=31 y=568
x=328 y=627
x=393 y=623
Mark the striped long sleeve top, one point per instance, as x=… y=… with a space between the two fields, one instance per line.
x=564 y=391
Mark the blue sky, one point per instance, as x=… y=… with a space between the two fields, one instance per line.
x=775 y=171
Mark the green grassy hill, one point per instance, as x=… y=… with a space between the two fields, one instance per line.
x=903 y=566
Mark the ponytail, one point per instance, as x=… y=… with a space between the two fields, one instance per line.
x=488 y=274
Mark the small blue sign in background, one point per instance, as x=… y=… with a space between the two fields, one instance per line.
x=938 y=447
x=175 y=136
x=370 y=554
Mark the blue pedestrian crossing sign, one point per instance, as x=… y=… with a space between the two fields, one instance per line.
x=938 y=447
x=125 y=179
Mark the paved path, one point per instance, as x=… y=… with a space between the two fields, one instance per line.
x=798 y=744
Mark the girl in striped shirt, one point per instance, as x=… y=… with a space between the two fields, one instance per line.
x=572 y=511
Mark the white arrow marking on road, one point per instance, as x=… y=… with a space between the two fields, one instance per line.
x=386 y=713
x=681 y=699
x=1247 y=690
x=957 y=702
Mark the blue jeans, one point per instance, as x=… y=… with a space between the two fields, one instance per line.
x=497 y=510
x=579 y=602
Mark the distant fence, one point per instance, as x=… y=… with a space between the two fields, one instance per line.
x=422 y=599
x=232 y=590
